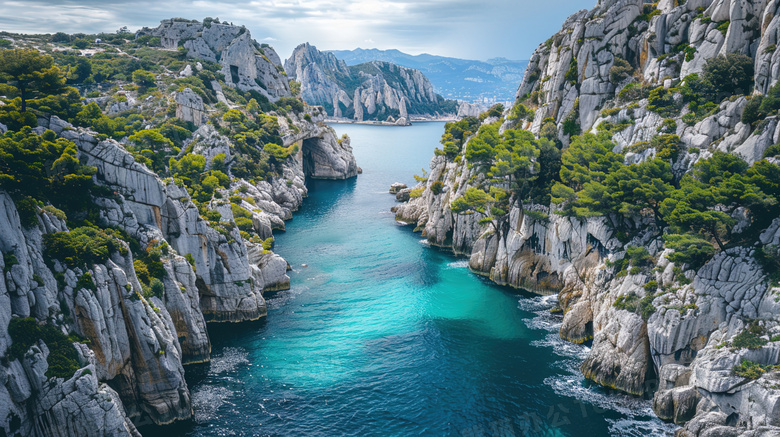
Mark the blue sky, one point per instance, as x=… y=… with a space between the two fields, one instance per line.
x=469 y=29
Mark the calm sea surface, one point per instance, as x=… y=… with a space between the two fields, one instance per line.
x=382 y=335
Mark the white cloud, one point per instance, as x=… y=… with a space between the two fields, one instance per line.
x=460 y=28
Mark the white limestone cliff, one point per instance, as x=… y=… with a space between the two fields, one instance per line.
x=376 y=90
x=681 y=351
x=246 y=64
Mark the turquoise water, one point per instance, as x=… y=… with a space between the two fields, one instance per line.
x=382 y=335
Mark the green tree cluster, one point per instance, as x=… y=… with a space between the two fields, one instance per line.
x=31 y=82
x=518 y=168
x=84 y=246
x=44 y=167
x=456 y=133
x=698 y=208
x=63 y=357
x=30 y=74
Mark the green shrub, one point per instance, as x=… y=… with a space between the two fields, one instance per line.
x=81 y=246
x=571 y=126
x=638 y=147
x=769 y=103
x=536 y=215
x=729 y=74
x=612 y=128
x=55 y=212
x=661 y=101
x=190 y=259
x=669 y=126
x=143 y=77
x=81 y=43
x=724 y=27
x=417 y=192
x=769 y=258
x=748 y=340
x=609 y=112
x=628 y=302
x=156 y=288
x=668 y=147
x=772 y=151
x=268 y=243
x=620 y=70
x=571 y=75
x=437 y=187
x=638 y=256
x=238 y=211
x=631 y=302
x=689 y=119
x=245 y=224
x=646 y=307
x=212 y=216
x=690 y=52
x=28 y=212
x=689 y=249
x=632 y=92
x=9 y=260
x=752 y=111
x=649 y=10
x=63 y=357
x=750 y=370
x=521 y=112
x=141 y=271
x=85 y=282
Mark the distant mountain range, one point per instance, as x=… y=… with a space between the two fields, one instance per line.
x=495 y=80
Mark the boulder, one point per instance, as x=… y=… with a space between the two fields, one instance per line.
x=189 y=107
x=396 y=187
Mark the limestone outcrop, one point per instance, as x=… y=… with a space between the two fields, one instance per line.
x=372 y=91
x=246 y=64
x=189 y=107
x=135 y=345
x=678 y=339
x=470 y=109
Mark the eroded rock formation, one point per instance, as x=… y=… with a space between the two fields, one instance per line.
x=681 y=349
x=246 y=64
x=133 y=344
x=372 y=91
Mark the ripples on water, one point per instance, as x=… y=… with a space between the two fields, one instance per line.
x=639 y=418
x=382 y=335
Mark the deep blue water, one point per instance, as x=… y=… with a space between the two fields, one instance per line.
x=382 y=335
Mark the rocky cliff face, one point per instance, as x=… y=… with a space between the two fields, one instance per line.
x=246 y=64
x=134 y=348
x=569 y=75
x=372 y=91
x=683 y=353
x=133 y=344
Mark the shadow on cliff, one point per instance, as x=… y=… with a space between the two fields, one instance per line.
x=222 y=335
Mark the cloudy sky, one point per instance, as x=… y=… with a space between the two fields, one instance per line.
x=472 y=29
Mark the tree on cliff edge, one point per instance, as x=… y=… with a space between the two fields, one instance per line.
x=30 y=74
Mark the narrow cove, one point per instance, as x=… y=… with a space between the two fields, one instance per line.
x=383 y=335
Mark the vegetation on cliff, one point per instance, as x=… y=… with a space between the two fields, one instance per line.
x=590 y=178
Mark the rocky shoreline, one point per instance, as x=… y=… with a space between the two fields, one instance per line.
x=684 y=352
x=133 y=343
